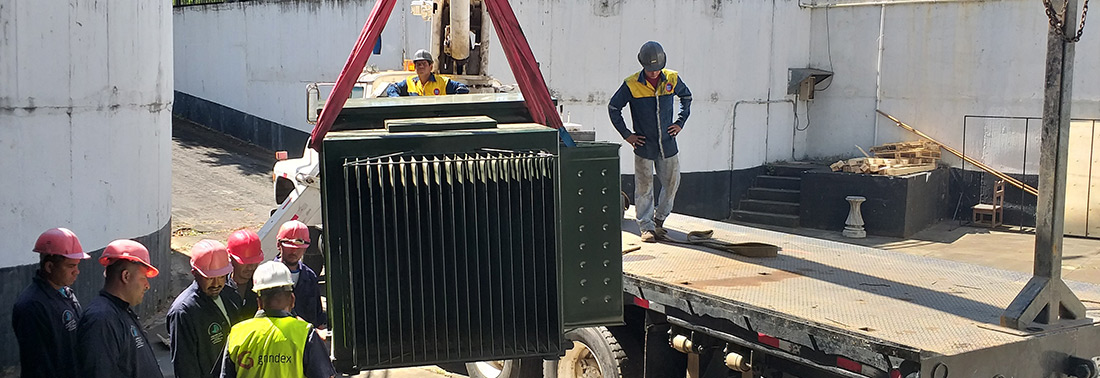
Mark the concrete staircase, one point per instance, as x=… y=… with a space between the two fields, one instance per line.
x=774 y=198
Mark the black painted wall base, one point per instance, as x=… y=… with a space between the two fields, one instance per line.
x=896 y=206
x=710 y=195
x=162 y=289
x=243 y=126
x=969 y=188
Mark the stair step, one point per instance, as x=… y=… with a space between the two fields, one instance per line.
x=791 y=169
x=765 y=218
x=781 y=195
x=779 y=182
x=770 y=207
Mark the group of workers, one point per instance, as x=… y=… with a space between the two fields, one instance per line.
x=241 y=317
x=265 y=324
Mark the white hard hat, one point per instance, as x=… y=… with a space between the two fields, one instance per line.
x=270 y=275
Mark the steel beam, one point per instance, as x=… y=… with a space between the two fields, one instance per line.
x=1046 y=300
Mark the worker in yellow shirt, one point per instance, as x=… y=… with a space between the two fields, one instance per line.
x=425 y=83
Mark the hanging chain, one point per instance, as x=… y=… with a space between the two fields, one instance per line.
x=1058 y=23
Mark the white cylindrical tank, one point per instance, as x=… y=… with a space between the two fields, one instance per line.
x=85 y=136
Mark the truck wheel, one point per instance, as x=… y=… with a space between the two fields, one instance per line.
x=523 y=368
x=596 y=353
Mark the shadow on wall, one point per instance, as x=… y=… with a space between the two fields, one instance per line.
x=188 y=135
x=969 y=188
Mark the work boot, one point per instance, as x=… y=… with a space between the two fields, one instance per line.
x=660 y=230
x=649 y=236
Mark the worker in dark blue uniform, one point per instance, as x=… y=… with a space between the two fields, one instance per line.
x=46 y=313
x=650 y=93
x=425 y=83
x=246 y=254
x=274 y=343
x=201 y=316
x=293 y=240
x=110 y=342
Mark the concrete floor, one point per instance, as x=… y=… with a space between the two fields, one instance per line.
x=221 y=185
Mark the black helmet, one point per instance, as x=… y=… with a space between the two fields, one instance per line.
x=652 y=56
x=422 y=55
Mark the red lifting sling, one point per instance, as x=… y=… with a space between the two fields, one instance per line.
x=520 y=59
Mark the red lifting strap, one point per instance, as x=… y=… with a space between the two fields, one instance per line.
x=516 y=49
x=352 y=69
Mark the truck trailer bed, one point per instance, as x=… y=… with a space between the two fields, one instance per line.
x=862 y=303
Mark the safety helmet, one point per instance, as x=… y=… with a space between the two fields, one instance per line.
x=126 y=249
x=60 y=241
x=652 y=56
x=422 y=55
x=244 y=247
x=270 y=275
x=294 y=234
x=209 y=258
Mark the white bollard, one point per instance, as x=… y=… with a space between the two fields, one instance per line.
x=854 y=224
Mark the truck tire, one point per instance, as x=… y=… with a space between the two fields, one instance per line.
x=522 y=368
x=598 y=352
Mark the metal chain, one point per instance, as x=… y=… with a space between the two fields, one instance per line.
x=1058 y=23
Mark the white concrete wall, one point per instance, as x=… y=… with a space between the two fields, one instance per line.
x=938 y=63
x=726 y=52
x=85 y=121
x=257 y=57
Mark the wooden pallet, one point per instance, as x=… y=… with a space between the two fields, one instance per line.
x=907 y=169
x=914 y=145
x=890 y=167
x=908 y=154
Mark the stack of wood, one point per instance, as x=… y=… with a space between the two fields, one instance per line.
x=894 y=159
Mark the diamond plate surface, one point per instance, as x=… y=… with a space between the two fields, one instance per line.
x=929 y=304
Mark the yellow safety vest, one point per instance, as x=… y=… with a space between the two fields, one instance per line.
x=268 y=347
x=431 y=88
x=640 y=88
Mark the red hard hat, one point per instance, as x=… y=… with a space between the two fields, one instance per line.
x=126 y=249
x=60 y=241
x=244 y=247
x=210 y=259
x=294 y=234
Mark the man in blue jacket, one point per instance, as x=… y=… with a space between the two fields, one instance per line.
x=110 y=342
x=293 y=240
x=47 y=312
x=649 y=93
x=425 y=83
x=201 y=316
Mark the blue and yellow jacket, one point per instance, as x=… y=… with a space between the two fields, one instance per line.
x=649 y=107
x=437 y=85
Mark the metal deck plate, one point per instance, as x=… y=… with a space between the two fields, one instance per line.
x=928 y=304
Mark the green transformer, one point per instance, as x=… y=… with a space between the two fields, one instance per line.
x=452 y=238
